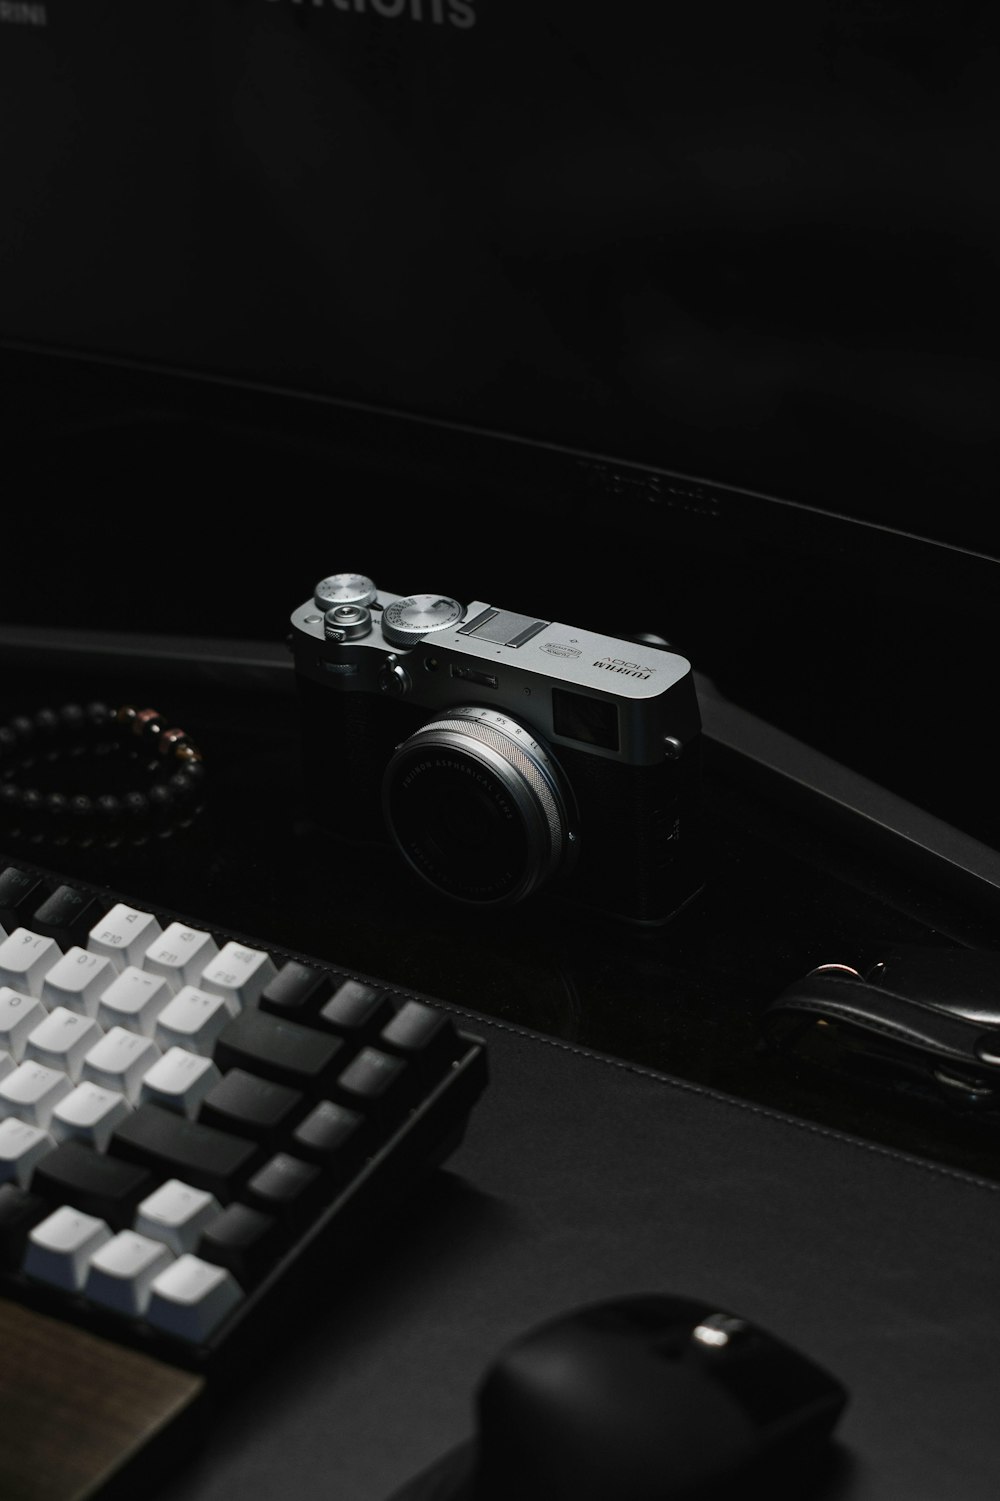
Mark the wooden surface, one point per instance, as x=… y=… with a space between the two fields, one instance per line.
x=76 y=1410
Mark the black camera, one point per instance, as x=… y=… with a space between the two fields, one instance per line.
x=501 y=754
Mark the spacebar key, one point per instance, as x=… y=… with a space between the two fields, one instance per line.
x=175 y=1147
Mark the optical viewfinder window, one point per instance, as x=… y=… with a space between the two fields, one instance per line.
x=594 y=721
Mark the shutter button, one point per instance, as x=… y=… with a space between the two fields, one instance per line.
x=347 y=622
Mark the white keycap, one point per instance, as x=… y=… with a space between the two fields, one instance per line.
x=19 y=1016
x=176 y=1213
x=89 y=1113
x=122 y=1270
x=7 y=1064
x=193 y=1020
x=239 y=972
x=134 y=1000
x=59 y=1249
x=119 y=1061
x=191 y=1298
x=180 y=954
x=179 y=1081
x=21 y=1146
x=76 y=981
x=24 y=959
x=123 y=934
x=32 y=1092
x=62 y=1040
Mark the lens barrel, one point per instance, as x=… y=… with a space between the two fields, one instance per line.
x=474 y=804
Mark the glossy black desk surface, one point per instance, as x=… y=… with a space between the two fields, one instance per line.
x=784 y=893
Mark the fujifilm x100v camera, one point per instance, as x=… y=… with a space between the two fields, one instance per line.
x=499 y=754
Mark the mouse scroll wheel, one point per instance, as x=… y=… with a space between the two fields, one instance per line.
x=719 y=1330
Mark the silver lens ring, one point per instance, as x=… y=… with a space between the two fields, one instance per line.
x=525 y=835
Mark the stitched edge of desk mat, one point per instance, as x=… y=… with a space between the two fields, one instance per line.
x=720 y=1096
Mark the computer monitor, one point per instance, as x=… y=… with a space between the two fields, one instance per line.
x=664 y=318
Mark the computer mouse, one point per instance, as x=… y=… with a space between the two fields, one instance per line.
x=640 y=1398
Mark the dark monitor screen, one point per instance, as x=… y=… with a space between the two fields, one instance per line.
x=653 y=316
x=754 y=244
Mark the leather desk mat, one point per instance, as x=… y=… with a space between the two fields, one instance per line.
x=582 y=1178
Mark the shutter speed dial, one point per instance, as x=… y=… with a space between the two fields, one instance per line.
x=407 y=621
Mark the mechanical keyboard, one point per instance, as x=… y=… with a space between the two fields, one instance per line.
x=190 y=1118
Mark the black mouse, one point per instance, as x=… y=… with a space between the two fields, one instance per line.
x=643 y=1398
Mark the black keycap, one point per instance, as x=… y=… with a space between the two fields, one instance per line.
x=377 y=1085
x=425 y=1036
x=279 y=1050
x=289 y=1189
x=335 y=1138
x=20 y=894
x=67 y=915
x=297 y=991
x=75 y=1174
x=252 y=1107
x=245 y=1240
x=173 y=1147
x=20 y=1212
x=356 y=1011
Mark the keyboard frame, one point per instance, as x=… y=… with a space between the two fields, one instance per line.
x=426 y=1137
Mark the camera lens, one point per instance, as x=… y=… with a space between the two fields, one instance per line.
x=475 y=805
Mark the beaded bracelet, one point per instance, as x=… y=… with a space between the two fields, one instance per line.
x=156 y=774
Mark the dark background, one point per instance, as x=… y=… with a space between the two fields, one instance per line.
x=643 y=317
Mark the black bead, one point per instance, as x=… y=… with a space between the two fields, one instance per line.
x=10 y=798
x=135 y=806
x=183 y=786
x=72 y=719
x=46 y=723
x=82 y=807
x=24 y=728
x=57 y=806
x=109 y=808
x=9 y=741
x=32 y=802
x=161 y=800
x=98 y=715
